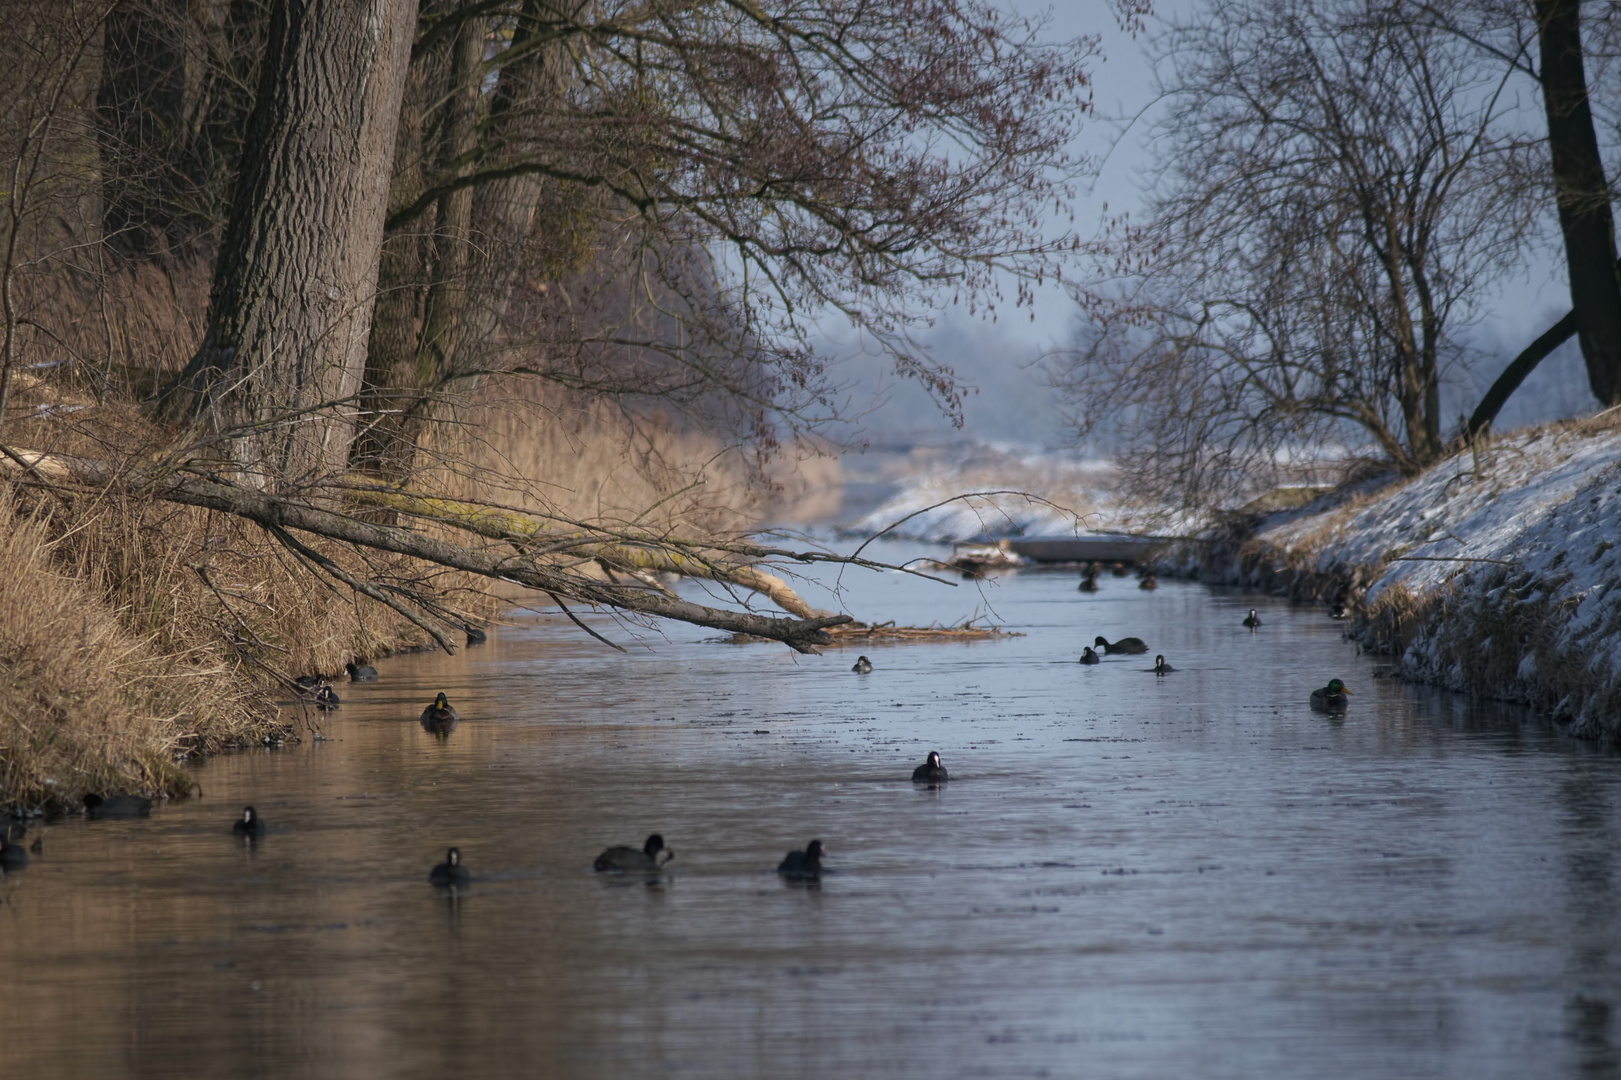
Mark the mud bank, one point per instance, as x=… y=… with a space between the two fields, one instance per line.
x=1496 y=573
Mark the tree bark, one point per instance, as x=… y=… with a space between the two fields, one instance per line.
x=295 y=282
x=1585 y=217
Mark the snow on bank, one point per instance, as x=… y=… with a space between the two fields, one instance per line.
x=1071 y=495
x=1497 y=572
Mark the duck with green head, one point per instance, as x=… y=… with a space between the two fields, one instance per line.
x=1331 y=698
x=440 y=713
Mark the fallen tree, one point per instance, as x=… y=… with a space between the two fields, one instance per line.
x=530 y=553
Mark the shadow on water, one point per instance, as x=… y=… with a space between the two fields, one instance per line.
x=1125 y=876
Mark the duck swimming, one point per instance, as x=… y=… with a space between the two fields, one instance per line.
x=1161 y=667
x=800 y=865
x=1089 y=583
x=1331 y=698
x=249 y=824
x=326 y=699
x=1090 y=657
x=451 y=871
x=12 y=856
x=116 y=806
x=1149 y=581
x=649 y=857
x=1130 y=646
x=1253 y=620
x=440 y=714
x=862 y=666
x=361 y=673
x=931 y=771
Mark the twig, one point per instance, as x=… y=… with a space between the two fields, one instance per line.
x=1453 y=558
x=360 y=586
x=575 y=619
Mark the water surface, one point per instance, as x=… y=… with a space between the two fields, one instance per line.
x=1127 y=876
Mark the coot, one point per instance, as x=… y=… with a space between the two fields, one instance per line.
x=650 y=856
x=931 y=771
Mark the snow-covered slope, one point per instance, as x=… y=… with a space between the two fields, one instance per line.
x=1497 y=572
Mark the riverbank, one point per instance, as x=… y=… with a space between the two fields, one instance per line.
x=137 y=635
x=1495 y=573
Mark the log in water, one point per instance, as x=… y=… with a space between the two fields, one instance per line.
x=1127 y=875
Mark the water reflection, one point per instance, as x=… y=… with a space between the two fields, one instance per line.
x=1125 y=876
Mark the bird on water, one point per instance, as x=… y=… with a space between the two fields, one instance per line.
x=650 y=856
x=1331 y=698
x=1161 y=667
x=931 y=771
x=1129 y=646
x=12 y=856
x=249 y=824
x=800 y=865
x=361 y=672
x=451 y=871
x=1253 y=620
x=116 y=806
x=440 y=712
x=1090 y=657
x=862 y=665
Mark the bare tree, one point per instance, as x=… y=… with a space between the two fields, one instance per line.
x=1330 y=208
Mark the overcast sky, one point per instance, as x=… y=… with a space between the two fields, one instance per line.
x=1000 y=361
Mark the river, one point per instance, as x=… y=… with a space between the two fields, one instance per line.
x=1127 y=875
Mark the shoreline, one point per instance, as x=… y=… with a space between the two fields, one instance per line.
x=1495 y=573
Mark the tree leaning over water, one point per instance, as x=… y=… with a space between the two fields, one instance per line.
x=725 y=173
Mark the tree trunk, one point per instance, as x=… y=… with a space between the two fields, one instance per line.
x=295 y=282
x=1498 y=393
x=1583 y=196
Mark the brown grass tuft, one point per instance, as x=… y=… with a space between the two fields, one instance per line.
x=88 y=705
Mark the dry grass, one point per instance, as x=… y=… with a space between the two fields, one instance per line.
x=85 y=703
x=534 y=444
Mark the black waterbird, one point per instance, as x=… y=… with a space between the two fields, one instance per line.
x=649 y=857
x=1130 y=646
x=451 y=871
x=801 y=865
x=249 y=824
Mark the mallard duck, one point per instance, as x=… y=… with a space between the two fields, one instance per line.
x=1149 y=581
x=451 y=871
x=440 y=713
x=803 y=864
x=1161 y=667
x=326 y=699
x=1119 y=570
x=931 y=771
x=361 y=673
x=12 y=856
x=1090 y=657
x=862 y=666
x=116 y=806
x=1130 y=646
x=1253 y=620
x=1330 y=698
x=650 y=856
x=249 y=824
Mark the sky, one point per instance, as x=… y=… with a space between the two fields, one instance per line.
x=1000 y=362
